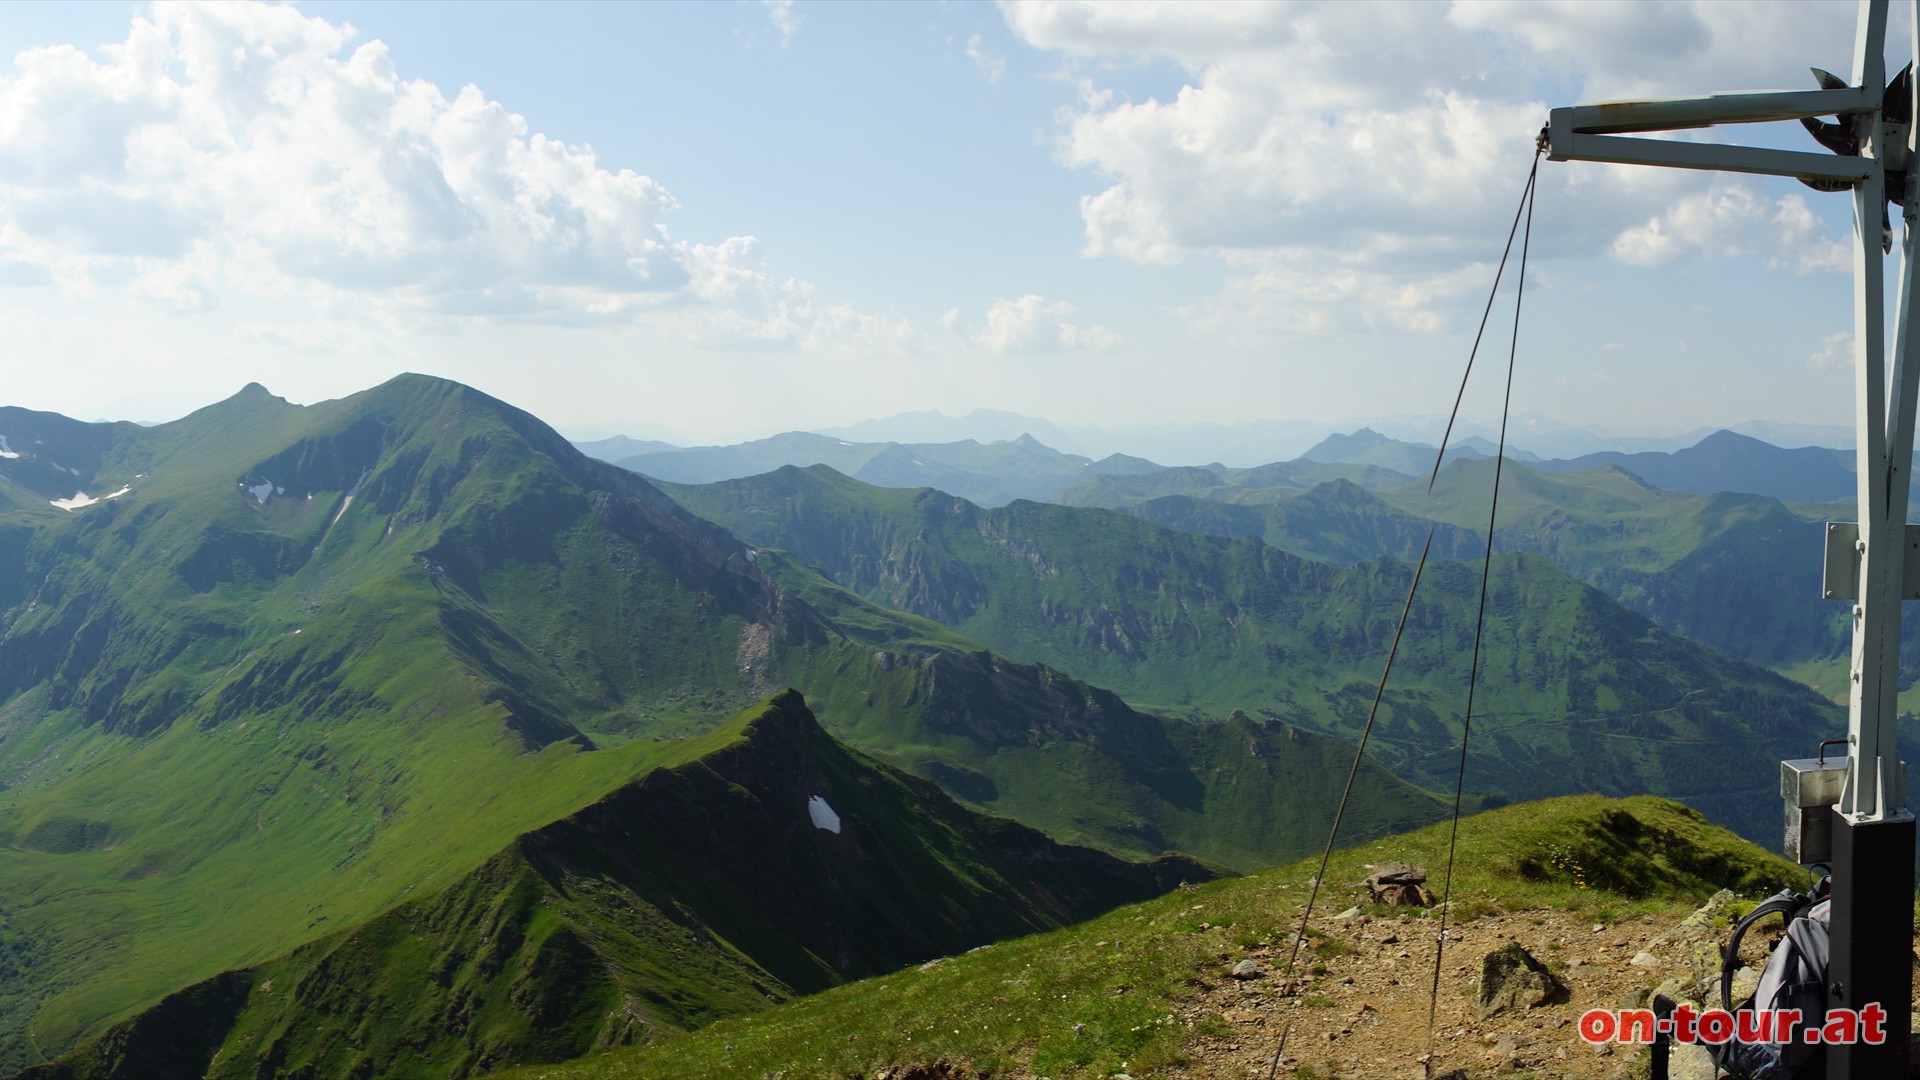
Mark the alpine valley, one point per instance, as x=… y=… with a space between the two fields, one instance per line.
x=396 y=736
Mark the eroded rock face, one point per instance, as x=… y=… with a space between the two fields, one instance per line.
x=1510 y=978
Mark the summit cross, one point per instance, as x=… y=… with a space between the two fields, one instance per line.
x=1872 y=834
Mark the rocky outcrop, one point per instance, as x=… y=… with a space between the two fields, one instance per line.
x=1511 y=979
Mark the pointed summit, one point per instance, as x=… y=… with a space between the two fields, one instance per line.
x=252 y=402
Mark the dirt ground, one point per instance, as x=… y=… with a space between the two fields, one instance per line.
x=1365 y=1016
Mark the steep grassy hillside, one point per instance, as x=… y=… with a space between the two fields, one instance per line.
x=1577 y=693
x=1108 y=996
x=758 y=862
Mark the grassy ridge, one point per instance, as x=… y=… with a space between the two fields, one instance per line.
x=702 y=889
x=269 y=829
x=1098 y=998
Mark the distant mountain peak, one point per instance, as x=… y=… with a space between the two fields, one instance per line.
x=1730 y=461
x=251 y=402
x=1338 y=447
x=253 y=394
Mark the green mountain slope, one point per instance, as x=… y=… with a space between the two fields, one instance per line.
x=1577 y=693
x=1105 y=996
x=1737 y=573
x=45 y=456
x=315 y=662
x=758 y=862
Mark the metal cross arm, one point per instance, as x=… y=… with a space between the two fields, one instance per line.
x=1592 y=132
x=1758 y=107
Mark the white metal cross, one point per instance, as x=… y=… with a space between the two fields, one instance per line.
x=1873 y=834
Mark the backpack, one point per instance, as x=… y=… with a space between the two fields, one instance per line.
x=1795 y=977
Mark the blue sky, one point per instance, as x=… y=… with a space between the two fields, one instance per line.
x=716 y=221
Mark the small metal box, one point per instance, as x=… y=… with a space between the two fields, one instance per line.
x=1809 y=786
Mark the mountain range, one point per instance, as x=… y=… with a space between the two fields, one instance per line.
x=1248 y=443
x=1722 y=462
x=394 y=735
x=996 y=473
x=1024 y=466
x=1576 y=692
x=1694 y=553
x=268 y=673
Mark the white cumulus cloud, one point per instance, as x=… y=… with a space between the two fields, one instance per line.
x=1034 y=324
x=1734 y=220
x=1836 y=351
x=1343 y=160
x=248 y=146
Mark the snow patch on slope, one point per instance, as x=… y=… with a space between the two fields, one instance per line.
x=822 y=815
x=5 y=450
x=81 y=498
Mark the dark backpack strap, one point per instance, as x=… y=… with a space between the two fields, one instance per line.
x=1662 y=1042
x=1787 y=904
